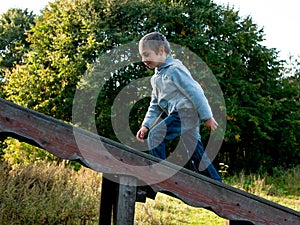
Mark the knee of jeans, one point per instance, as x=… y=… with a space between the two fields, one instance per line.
x=157 y=133
x=154 y=139
x=151 y=136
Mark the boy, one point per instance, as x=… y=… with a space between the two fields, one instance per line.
x=177 y=94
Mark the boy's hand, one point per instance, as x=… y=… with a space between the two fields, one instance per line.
x=140 y=135
x=211 y=124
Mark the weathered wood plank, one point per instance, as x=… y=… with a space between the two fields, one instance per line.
x=106 y=156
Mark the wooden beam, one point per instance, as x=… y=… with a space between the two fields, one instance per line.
x=106 y=156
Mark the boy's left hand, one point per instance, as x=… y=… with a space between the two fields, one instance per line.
x=211 y=124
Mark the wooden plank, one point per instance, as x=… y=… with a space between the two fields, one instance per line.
x=106 y=156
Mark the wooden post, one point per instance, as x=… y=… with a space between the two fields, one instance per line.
x=126 y=201
x=118 y=201
x=108 y=199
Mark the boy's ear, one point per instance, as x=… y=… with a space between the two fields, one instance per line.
x=161 y=49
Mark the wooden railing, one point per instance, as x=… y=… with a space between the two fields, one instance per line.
x=120 y=193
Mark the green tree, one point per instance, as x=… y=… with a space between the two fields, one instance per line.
x=64 y=42
x=286 y=116
x=14 y=27
x=71 y=35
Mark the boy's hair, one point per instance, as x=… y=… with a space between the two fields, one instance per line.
x=154 y=40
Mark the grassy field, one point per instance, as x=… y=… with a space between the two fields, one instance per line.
x=56 y=194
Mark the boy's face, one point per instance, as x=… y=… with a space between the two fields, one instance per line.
x=150 y=58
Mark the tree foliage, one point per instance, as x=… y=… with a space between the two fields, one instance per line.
x=14 y=25
x=262 y=105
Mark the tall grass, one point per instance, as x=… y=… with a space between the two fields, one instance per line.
x=56 y=194
x=48 y=194
x=282 y=187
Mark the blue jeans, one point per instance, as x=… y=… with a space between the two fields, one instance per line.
x=183 y=124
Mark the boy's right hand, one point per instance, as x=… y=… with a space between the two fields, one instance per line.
x=142 y=133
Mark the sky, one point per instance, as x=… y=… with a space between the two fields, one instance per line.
x=280 y=19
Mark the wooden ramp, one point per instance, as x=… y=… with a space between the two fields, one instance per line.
x=131 y=168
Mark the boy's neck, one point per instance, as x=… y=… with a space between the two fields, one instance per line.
x=163 y=61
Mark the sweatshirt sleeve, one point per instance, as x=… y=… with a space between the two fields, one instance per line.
x=153 y=113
